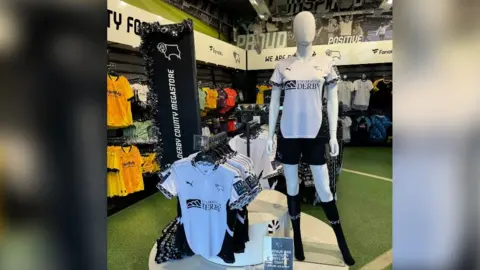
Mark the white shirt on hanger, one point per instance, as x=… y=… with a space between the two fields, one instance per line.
x=345 y=89
x=203 y=194
x=303 y=81
x=363 y=88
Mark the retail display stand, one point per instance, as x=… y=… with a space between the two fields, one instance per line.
x=268 y=204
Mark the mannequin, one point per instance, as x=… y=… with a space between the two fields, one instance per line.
x=302 y=77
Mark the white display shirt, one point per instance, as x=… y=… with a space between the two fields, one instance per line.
x=303 y=81
x=345 y=89
x=362 y=96
x=203 y=194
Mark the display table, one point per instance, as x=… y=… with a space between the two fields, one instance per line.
x=269 y=205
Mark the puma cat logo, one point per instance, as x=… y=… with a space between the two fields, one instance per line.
x=288 y=69
x=189 y=183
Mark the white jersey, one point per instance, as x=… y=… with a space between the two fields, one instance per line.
x=362 y=96
x=142 y=92
x=203 y=193
x=303 y=82
x=261 y=159
x=345 y=89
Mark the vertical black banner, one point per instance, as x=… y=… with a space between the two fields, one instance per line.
x=169 y=51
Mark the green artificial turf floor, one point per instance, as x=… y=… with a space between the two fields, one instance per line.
x=365 y=206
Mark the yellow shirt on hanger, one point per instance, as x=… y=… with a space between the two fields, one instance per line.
x=115 y=183
x=261 y=91
x=119 y=112
x=211 y=101
x=128 y=161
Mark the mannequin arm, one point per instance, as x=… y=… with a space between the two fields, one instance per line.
x=274 y=109
x=332 y=108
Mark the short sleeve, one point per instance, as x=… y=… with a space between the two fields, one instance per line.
x=332 y=71
x=277 y=77
x=166 y=185
x=370 y=85
x=127 y=90
x=113 y=159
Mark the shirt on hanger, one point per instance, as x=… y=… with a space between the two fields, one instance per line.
x=119 y=112
x=128 y=162
x=201 y=98
x=345 y=89
x=142 y=92
x=211 y=101
x=303 y=82
x=362 y=96
x=221 y=98
x=204 y=193
x=260 y=93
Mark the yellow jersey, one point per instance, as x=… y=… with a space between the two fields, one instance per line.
x=119 y=112
x=125 y=164
x=260 y=94
x=150 y=164
x=211 y=100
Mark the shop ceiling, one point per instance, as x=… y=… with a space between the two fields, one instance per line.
x=276 y=10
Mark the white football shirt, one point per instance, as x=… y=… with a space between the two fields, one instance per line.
x=303 y=82
x=363 y=88
x=203 y=194
x=345 y=89
x=258 y=154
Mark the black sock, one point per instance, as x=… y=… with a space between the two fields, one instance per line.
x=294 y=212
x=331 y=212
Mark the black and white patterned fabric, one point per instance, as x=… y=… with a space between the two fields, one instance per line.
x=273 y=226
x=171 y=245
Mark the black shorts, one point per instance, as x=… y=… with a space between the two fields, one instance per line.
x=311 y=150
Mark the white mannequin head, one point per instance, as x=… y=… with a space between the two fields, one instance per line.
x=304 y=28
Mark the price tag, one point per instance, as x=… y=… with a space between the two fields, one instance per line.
x=277 y=253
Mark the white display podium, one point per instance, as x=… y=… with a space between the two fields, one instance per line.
x=269 y=205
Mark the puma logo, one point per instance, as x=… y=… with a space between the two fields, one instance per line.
x=189 y=183
x=288 y=69
x=219 y=187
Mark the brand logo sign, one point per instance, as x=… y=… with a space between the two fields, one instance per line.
x=380 y=51
x=205 y=205
x=271 y=40
x=237 y=57
x=212 y=49
x=302 y=85
x=169 y=50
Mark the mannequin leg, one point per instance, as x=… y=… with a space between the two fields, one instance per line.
x=293 y=201
x=321 y=179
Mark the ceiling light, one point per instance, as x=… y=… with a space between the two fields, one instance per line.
x=390 y=1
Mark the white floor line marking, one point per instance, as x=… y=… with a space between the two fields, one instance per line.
x=381 y=262
x=369 y=175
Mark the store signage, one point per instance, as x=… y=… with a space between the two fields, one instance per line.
x=277 y=253
x=343 y=54
x=345 y=39
x=173 y=75
x=215 y=51
x=293 y=7
x=125 y=21
x=268 y=40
